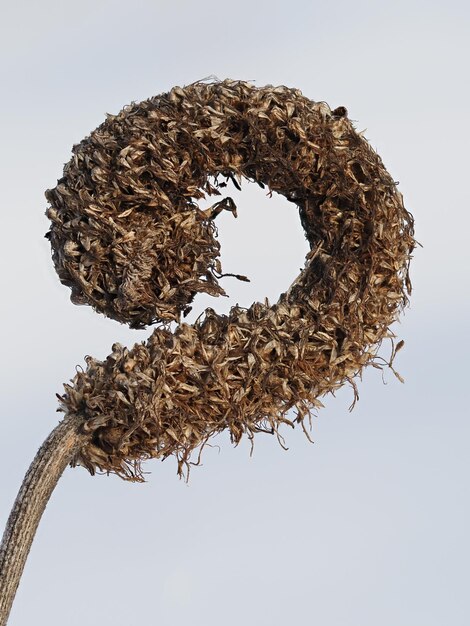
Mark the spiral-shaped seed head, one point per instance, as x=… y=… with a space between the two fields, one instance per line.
x=129 y=239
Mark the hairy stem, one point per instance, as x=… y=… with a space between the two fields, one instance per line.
x=40 y=480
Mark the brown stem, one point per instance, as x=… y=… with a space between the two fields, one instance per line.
x=40 y=480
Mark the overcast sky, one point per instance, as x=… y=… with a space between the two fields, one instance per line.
x=370 y=524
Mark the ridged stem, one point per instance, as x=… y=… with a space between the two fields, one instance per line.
x=40 y=480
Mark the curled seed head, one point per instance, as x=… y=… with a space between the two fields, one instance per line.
x=129 y=239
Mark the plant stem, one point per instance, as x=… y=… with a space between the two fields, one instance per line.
x=38 y=484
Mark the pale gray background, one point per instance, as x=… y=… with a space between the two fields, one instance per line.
x=370 y=524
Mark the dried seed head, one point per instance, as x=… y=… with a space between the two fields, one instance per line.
x=129 y=239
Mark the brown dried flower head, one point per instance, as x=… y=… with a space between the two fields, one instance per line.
x=129 y=238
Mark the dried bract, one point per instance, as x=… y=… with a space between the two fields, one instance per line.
x=129 y=238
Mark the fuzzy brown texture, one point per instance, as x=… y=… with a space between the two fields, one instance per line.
x=129 y=238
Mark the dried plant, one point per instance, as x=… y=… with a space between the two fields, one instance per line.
x=128 y=237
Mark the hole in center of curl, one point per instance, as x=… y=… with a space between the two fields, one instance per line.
x=265 y=242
